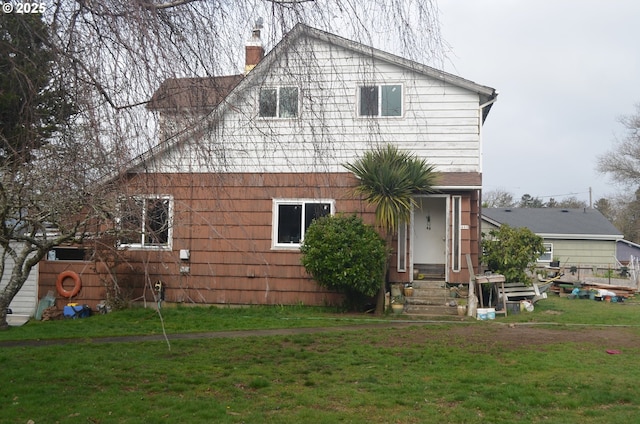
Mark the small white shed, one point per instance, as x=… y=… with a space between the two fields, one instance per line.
x=23 y=305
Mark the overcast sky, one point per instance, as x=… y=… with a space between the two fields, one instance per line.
x=566 y=70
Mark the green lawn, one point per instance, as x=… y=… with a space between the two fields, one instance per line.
x=464 y=371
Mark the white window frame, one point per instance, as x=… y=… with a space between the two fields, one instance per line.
x=456 y=229
x=278 y=112
x=402 y=247
x=276 y=219
x=143 y=245
x=380 y=100
x=548 y=252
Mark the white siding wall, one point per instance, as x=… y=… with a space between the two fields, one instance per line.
x=440 y=121
x=26 y=300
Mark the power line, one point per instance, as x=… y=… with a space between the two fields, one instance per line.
x=562 y=195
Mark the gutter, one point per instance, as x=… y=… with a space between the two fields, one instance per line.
x=465 y=187
x=490 y=102
x=610 y=237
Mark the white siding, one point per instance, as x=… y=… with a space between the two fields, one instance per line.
x=440 y=121
x=24 y=303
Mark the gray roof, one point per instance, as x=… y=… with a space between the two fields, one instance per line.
x=557 y=223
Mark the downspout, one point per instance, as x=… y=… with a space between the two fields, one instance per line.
x=481 y=108
x=490 y=102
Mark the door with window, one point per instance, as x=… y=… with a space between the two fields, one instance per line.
x=430 y=235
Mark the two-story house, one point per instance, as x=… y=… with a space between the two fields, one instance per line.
x=218 y=209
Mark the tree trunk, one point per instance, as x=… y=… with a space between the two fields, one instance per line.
x=4 y=325
x=24 y=258
x=380 y=300
x=7 y=295
x=383 y=288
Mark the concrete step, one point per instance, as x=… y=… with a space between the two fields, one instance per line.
x=430 y=298
x=436 y=293
x=429 y=289
x=429 y=293
x=429 y=284
x=429 y=310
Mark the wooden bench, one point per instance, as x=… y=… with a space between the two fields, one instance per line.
x=510 y=292
x=517 y=291
x=520 y=291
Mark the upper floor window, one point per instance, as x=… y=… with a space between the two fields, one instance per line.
x=291 y=218
x=145 y=222
x=280 y=102
x=380 y=100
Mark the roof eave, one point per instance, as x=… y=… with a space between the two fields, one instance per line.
x=488 y=92
x=556 y=236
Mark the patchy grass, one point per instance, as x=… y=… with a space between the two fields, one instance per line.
x=183 y=319
x=560 y=310
x=420 y=374
x=508 y=370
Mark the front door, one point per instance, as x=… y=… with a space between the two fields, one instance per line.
x=430 y=233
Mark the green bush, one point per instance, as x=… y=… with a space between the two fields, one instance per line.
x=509 y=251
x=342 y=253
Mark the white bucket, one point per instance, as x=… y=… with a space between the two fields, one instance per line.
x=482 y=314
x=491 y=313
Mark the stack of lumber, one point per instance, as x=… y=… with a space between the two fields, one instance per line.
x=620 y=291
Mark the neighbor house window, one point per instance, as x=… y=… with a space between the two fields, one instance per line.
x=279 y=102
x=291 y=218
x=547 y=256
x=380 y=100
x=145 y=222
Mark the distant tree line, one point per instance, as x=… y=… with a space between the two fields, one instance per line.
x=622 y=210
x=503 y=199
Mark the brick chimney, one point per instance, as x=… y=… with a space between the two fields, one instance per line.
x=254 y=50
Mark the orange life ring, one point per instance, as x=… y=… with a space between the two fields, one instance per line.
x=76 y=283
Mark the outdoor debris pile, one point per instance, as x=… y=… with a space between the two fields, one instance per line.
x=594 y=292
x=51 y=313
x=73 y=310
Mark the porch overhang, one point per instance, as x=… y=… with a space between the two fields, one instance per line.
x=459 y=180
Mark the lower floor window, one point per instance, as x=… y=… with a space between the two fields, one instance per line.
x=145 y=221
x=293 y=216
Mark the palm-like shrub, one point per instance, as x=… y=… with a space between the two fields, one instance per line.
x=389 y=179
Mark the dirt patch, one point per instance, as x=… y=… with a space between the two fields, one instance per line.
x=470 y=335
x=518 y=336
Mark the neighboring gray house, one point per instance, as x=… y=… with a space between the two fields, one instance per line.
x=625 y=250
x=580 y=237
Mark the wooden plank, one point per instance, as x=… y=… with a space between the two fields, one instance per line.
x=512 y=291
